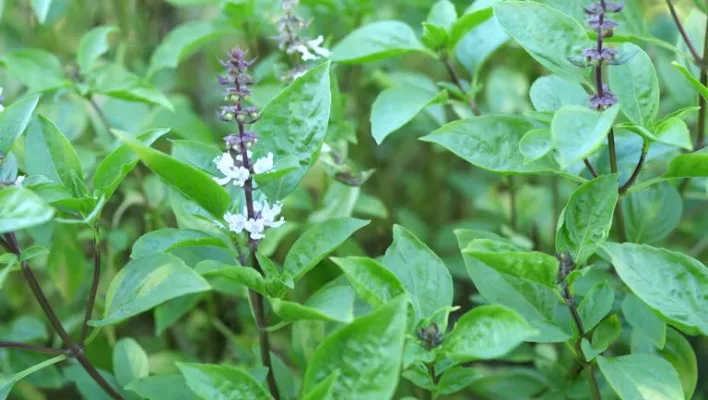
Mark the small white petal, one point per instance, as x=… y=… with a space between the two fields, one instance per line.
x=263 y=164
x=19 y=180
x=222 y=181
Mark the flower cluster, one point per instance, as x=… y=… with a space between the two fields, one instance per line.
x=236 y=163
x=599 y=21
x=289 y=25
x=264 y=217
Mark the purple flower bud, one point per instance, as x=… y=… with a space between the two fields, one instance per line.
x=597 y=8
x=594 y=22
x=605 y=54
x=607 y=100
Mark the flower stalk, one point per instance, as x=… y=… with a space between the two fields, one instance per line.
x=603 y=98
x=238 y=167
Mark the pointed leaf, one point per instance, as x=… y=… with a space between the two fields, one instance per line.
x=673 y=284
x=147 y=282
x=641 y=376
x=367 y=353
x=586 y=220
x=486 y=332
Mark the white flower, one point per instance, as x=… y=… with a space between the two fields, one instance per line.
x=225 y=165
x=236 y=222
x=268 y=214
x=305 y=53
x=20 y=178
x=325 y=148
x=315 y=46
x=255 y=228
x=306 y=49
x=263 y=164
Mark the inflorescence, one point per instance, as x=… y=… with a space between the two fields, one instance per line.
x=289 y=40
x=599 y=21
x=236 y=163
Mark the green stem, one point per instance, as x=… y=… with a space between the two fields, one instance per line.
x=514 y=218
x=593 y=383
x=75 y=350
x=94 y=285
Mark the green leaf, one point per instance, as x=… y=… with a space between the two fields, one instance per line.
x=533 y=266
x=169 y=312
x=539 y=304
x=578 y=131
x=434 y=36
x=246 y=276
x=455 y=379
x=189 y=181
x=680 y=354
x=130 y=362
x=316 y=243
x=602 y=338
x=335 y=303
x=20 y=209
x=367 y=353
x=422 y=273
x=375 y=284
x=7 y=381
x=86 y=386
x=376 y=41
x=442 y=13
x=596 y=304
x=210 y=381
x=486 y=332
x=147 y=282
x=41 y=9
x=641 y=376
x=111 y=171
x=535 y=144
x=644 y=319
x=490 y=142
x=396 y=106
x=702 y=90
x=324 y=389
x=550 y=36
x=551 y=92
x=689 y=165
x=160 y=387
x=25 y=329
x=93 y=45
x=673 y=284
x=53 y=155
x=115 y=81
x=651 y=214
x=37 y=69
x=466 y=23
x=168 y=239
x=32 y=252
x=14 y=120
x=636 y=85
x=586 y=220
x=294 y=124
x=180 y=43
x=482 y=41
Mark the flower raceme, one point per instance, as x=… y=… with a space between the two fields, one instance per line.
x=236 y=164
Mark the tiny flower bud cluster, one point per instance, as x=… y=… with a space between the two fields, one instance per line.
x=599 y=21
x=236 y=163
x=289 y=40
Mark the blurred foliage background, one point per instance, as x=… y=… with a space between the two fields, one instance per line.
x=414 y=184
